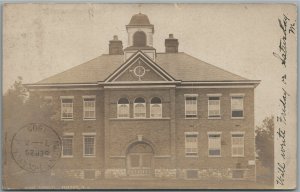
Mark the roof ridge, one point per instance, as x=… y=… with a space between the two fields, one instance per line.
x=215 y=66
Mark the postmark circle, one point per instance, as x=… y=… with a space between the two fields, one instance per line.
x=36 y=147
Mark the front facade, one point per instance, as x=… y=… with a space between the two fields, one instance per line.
x=138 y=113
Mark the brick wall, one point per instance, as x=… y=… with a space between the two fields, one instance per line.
x=113 y=136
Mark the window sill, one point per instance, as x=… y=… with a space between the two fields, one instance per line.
x=138 y=119
x=237 y=156
x=215 y=156
x=237 y=117
x=214 y=118
x=191 y=118
x=91 y=156
x=191 y=156
x=67 y=119
x=90 y=119
x=67 y=156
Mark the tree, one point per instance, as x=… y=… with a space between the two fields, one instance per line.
x=21 y=107
x=264 y=141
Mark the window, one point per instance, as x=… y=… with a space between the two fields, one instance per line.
x=237 y=144
x=191 y=106
x=191 y=144
x=214 y=107
x=123 y=108
x=155 y=108
x=237 y=106
x=214 y=145
x=139 y=108
x=67 y=146
x=89 y=145
x=139 y=39
x=89 y=111
x=67 y=108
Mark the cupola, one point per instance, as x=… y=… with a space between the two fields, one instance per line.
x=140 y=36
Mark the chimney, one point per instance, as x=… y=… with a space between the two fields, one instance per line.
x=115 y=46
x=171 y=44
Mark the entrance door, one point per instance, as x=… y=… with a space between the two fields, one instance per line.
x=140 y=160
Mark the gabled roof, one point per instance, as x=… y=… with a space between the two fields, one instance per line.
x=180 y=66
x=139 y=55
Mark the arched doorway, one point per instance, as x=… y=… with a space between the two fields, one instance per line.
x=140 y=160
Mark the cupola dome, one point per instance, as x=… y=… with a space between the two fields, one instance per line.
x=139 y=19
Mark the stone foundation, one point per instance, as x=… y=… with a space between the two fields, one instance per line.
x=216 y=174
x=75 y=173
x=165 y=173
x=115 y=173
x=203 y=174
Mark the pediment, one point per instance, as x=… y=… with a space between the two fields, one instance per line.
x=139 y=68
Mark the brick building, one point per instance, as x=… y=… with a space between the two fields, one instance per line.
x=138 y=113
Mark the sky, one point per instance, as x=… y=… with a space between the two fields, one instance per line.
x=42 y=40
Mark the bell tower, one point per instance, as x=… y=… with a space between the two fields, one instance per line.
x=140 y=36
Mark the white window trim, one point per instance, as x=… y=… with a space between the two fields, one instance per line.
x=61 y=108
x=215 y=133
x=89 y=133
x=118 y=106
x=66 y=97
x=237 y=95
x=191 y=133
x=191 y=95
x=214 y=95
x=83 y=136
x=160 y=111
x=68 y=134
x=88 y=97
x=241 y=133
x=62 y=154
x=134 y=104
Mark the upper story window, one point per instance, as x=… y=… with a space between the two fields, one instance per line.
x=237 y=144
x=89 y=107
x=214 y=110
x=123 y=108
x=191 y=105
x=67 y=108
x=139 y=39
x=237 y=106
x=155 y=108
x=139 y=108
x=214 y=144
x=191 y=143
x=67 y=146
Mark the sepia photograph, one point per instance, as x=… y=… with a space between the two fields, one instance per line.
x=149 y=96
